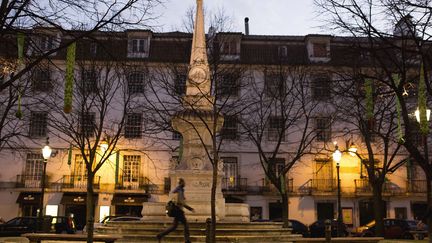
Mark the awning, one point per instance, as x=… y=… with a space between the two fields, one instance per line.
x=129 y=199
x=76 y=198
x=29 y=198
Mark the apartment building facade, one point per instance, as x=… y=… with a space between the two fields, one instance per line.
x=139 y=169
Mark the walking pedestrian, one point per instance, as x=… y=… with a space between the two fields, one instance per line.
x=179 y=216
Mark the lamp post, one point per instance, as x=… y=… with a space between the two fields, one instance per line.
x=337 y=155
x=46 y=153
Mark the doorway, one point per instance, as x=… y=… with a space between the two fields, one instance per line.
x=367 y=211
x=325 y=210
x=79 y=212
x=275 y=211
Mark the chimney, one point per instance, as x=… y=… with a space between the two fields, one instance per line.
x=246 y=20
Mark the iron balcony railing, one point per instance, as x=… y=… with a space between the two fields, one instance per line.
x=30 y=181
x=267 y=186
x=137 y=183
x=79 y=182
x=318 y=186
x=234 y=184
x=363 y=186
x=417 y=186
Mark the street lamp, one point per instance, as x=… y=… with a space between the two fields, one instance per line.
x=337 y=156
x=417 y=114
x=46 y=153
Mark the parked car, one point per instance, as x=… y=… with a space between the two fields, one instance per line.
x=21 y=225
x=299 y=228
x=317 y=229
x=394 y=229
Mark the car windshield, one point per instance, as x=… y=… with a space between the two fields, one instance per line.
x=14 y=221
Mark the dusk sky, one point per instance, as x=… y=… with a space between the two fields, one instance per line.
x=266 y=17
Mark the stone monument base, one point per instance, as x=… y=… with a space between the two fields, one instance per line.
x=234 y=212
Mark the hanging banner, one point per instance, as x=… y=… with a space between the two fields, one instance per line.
x=369 y=99
x=20 y=44
x=401 y=139
x=70 y=63
x=422 y=103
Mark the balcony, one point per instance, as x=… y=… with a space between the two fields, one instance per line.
x=362 y=187
x=78 y=182
x=417 y=186
x=319 y=186
x=30 y=181
x=136 y=183
x=234 y=185
x=264 y=186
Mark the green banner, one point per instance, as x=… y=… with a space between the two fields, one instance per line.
x=20 y=44
x=401 y=139
x=70 y=63
x=369 y=99
x=422 y=103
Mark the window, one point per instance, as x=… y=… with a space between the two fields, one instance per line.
x=230 y=48
x=41 y=80
x=275 y=130
x=323 y=175
x=93 y=48
x=139 y=45
x=320 y=50
x=131 y=166
x=229 y=129
x=229 y=85
x=180 y=84
x=323 y=129
x=45 y=43
x=80 y=170
x=274 y=84
x=133 y=125
x=282 y=52
x=278 y=165
x=136 y=83
x=230 y=171
x=34 y=166
x=89 y=81
x=321 y=89
x=87 y=124
x=38 y=124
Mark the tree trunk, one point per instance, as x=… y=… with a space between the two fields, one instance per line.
x=90 y=208
x=378 y=207
x=285 y=209
x=213 y=204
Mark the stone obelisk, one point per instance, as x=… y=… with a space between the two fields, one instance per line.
x=195 y=123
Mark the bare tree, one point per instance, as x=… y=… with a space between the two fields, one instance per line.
x=96 y=123
x=400 y=50
x=279 y=123
x=379 y=131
